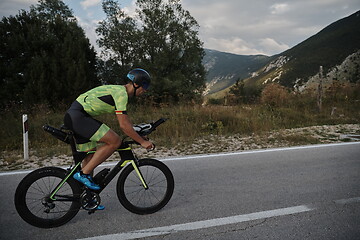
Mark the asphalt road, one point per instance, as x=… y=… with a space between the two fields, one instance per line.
x=294 y=193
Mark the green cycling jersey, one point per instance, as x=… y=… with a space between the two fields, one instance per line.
x=104 y=99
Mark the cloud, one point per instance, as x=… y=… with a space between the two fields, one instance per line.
x=24 y=2
x=306 y=31
x=232 y=45
x=89 y=27
x=130 y=10
x=263 y=26
x=89 y=3
x=8 y=7
x=238 y=26
x=270 y=45
x=264 y=46
x=279 y=8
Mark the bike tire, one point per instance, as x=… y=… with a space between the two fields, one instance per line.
x=32 y=191
x=132 y=194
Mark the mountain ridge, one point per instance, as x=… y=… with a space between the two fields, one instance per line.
x=295 y=67
x=225 y=68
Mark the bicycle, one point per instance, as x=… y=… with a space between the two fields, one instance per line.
x=50 y=197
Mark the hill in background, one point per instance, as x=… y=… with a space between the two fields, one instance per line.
x=336 y=48
x=224 y=69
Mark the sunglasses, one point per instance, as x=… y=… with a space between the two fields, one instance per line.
x=146 y=85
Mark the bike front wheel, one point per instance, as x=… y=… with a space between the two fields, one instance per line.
x=132 y=194
x=33 y=203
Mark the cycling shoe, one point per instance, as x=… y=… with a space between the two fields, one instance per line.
x=86 y=180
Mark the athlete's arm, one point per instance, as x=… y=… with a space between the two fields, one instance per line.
x=127 y=127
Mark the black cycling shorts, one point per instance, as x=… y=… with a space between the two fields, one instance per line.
x=87 y=130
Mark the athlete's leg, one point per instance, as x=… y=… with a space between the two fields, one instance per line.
x=87 y=159
x=88 y=131
x=111 y=142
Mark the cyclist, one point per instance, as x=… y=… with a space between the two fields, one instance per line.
x=88 y=131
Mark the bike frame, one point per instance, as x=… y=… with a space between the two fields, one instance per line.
x=126 y=156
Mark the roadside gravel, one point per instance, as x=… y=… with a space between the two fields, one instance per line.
x=210 y=144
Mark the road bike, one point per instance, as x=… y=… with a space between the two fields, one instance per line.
x=50 y=197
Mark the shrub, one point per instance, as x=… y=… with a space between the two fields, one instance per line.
x=275 y=95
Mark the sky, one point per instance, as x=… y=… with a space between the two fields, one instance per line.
x=246 y=27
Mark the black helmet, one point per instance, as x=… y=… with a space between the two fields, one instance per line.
x=140 y=77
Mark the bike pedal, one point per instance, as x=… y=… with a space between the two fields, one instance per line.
x=91 y=212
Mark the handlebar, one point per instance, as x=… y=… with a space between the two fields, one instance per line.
x=146 y=129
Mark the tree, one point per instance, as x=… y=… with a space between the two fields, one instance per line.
x=45 y=56
x=162 y=38
x=238 y=91
x=118 y=34
x=244 y=93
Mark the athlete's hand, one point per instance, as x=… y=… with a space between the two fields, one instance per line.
x=147 y=145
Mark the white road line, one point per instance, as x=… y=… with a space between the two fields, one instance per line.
x=211 y=155
x=215 y=222
x=348 y=201
x=259 y=151
x=15 y=172
x=204 y=224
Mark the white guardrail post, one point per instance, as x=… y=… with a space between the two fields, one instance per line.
x=25 y=136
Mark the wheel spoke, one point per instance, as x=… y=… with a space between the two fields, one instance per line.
x=33 y=203
x=140 y=200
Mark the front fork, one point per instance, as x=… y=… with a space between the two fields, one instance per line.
x=141 y=177
x=136 y=168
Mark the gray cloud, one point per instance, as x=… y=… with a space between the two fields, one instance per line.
x=237 y=26
x=12 y=7
x=264 y=26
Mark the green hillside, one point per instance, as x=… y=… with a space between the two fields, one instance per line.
x=226 y=68
x=328 y=48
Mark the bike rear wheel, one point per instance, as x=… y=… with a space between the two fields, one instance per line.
x=132 y=194
x=32 y=200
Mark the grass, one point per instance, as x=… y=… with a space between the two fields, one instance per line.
x=187 y=124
